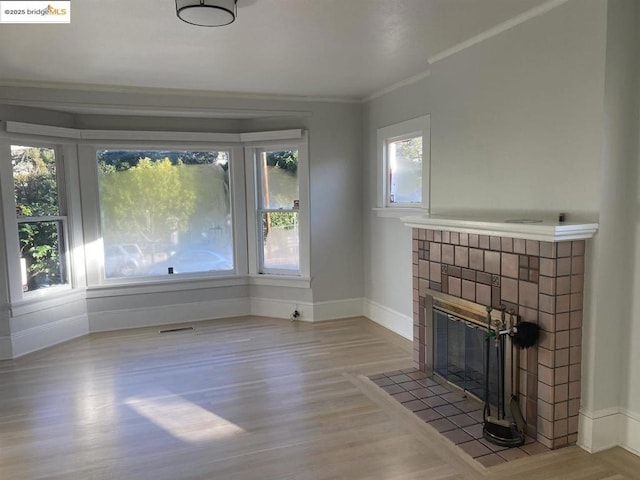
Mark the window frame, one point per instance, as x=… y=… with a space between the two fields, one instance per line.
x=12 y=221
x=254 y=218
x=78 y=156
x=93 y=224
x=420 y=126
x=261 y=210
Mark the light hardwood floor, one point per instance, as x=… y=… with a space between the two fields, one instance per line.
x=246 y=398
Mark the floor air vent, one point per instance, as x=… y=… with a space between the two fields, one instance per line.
x=174 y=330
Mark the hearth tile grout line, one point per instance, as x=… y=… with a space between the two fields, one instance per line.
x=450 y=418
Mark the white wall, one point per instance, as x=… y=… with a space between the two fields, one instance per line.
x=515 y=123
x=624 y=27
x=336 y=184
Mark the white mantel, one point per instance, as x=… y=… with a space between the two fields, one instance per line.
x=504 y=225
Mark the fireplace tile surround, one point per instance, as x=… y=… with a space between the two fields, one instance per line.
x=543 y=282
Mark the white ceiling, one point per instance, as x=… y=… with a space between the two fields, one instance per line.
x=321 y=48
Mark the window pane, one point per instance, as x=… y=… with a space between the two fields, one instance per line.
x=34 y=180
x=281 y=241
x=165 y=210
x=42 y=254
x=405 y=170
x=279 y=179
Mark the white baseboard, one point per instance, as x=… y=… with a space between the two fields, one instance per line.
x=167 y=314
x=59 y=331
x=388 y=318
x=630 y=431
x=609 y=428
x=332 y=310
x=270 y=307
x=310 y=312
x=43 y=336
x=191 y=312
x=5 y=348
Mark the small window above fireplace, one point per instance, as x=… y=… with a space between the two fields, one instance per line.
x=403 y=167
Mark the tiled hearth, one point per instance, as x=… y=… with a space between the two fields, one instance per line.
x=456 y=417
x=543 y=283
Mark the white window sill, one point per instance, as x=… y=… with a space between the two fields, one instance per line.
x=174 y=283
x=280 y=281
x=49 y=298
x=169 y=283
x=397 y=212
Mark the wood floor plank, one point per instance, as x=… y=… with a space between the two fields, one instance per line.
x=243 y=398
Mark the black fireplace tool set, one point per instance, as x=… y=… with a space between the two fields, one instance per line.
x=500 y=430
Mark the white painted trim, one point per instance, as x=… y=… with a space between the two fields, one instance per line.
x=498 y=29
x=44 y=302
x=154 y=111
x=335 y=309
x=294 y=134
x=279 y=281
x=607 y=428
x=142 y=287
x=402 y=83
x=5 y=348
x=496 y=225
x=399 y=212
x=167 y=314
x=419 y=126
x=252 y=150
x=151 y=136
x=225 y=308
x=271 y=307
x=17 y=83
x=389 y=318
x=598 y=430
x=43 y=336
x=41 y=130
x=630 y=430
x=142 y=136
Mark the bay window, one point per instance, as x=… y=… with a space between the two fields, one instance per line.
x=139 y=208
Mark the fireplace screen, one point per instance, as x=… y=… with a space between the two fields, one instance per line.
x=460 y=354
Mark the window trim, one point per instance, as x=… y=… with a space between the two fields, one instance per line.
x=77 y=149
x=93 y=226
x=261 y=210
x=251 y=155
x=12 y=220
x=400 y=131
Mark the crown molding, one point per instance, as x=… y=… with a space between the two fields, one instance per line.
x=492 y=32
x=403 y=83
x=498 y=29
x=97 y=88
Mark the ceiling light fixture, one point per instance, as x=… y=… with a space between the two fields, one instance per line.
x=207 y=13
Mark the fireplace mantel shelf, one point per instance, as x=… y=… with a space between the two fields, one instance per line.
x=505 y=226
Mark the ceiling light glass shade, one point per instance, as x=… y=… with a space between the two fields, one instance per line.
x=206 y=13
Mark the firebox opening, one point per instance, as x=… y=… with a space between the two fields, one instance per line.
x=459 y=353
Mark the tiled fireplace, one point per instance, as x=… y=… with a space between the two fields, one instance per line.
x=542 y=281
